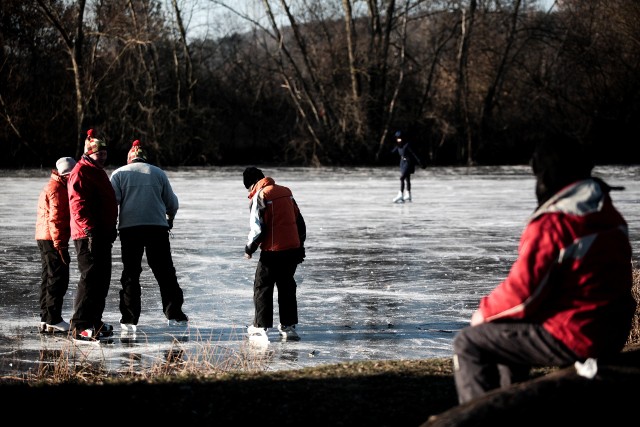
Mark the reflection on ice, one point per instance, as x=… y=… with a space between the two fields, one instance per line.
x=380 y=281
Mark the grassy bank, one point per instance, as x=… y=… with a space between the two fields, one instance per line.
x=377 y=393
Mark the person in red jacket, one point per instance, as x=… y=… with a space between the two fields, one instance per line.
x=94 y=214
x=567 y=297
x=278 y=228
x=52 y=236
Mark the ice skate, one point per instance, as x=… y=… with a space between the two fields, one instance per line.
x=288 y=333
x=62 y=326
x=256 y=333
x=128 y=329
x=398 y=198
x=407 y=196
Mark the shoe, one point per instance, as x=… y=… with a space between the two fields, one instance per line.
x=105 y=329
x=43 y=327
x=179 y=321
x=90 y=334
x=288 y=332
x=398 y=198
x=127 y=328
x=257 y=333
x=62 y=326
x=407 y=196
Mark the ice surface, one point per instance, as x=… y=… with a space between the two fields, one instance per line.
x=380 y=281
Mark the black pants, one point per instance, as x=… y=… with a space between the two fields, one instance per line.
x=495 y=354
x=53 y=284
x=270 y=272
x=405 y=176
x=155 y=240
x=93 y=286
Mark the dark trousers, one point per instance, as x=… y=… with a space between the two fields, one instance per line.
x=155 y=241
x=275 y=272
x=496 y=354
x=405 y=176
x=93 y=286
x=54 y=282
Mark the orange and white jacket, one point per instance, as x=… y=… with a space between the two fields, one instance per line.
x=275 y=221
x=53 y=219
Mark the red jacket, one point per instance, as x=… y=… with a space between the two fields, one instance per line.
x=573 y=273
x=52 y=222
x=92 y=200
x=276 y=223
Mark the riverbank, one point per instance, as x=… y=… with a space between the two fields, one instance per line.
x=384 y=393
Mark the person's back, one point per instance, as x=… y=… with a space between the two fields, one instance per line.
x=144 y=194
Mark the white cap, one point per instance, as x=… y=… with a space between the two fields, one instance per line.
x=65 y=165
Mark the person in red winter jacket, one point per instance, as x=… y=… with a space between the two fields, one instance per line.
x=52 y=236
x=567 y=297
x=94 y=214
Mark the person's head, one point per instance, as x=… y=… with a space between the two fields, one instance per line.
x=95 y=148
x=136 y=153
x=250 y=176
x=398 y=136
x=65 y=165
x=558 y=161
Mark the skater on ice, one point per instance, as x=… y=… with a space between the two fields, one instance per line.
x=278 y=228
x=94 y=214
x=53 y=231
x=148 y=207
x=408 y=161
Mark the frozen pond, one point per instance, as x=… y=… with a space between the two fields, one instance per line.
x=380 y=281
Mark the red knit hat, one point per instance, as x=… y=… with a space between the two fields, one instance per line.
x=93 y=145
x=136 y=152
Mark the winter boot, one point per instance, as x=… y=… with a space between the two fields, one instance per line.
x=407 y=196
x=398 y=198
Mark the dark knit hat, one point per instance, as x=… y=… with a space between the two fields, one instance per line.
x=558 y=161
x=251 y=175
x=65 y=165
x=136 y=152
x=92 y=144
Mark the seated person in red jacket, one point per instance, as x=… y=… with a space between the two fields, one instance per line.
x=568 y=296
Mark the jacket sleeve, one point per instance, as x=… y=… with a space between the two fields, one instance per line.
x=302 y=226
x=79 y=188
x=255 y=225
x=170 y=199
x=415 y=156
x=58 y=219
x=527 y=284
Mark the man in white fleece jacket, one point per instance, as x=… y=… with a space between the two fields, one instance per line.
x=147 y=207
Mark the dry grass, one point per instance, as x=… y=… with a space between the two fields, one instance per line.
x=634 y=336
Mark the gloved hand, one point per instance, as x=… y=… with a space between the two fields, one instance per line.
x=170 y=221
x=64 y=255
x=90 y=244
x=302 y=254
x=248 y=252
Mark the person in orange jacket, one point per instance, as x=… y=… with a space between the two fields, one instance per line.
x=278 y=228
x=53 y=231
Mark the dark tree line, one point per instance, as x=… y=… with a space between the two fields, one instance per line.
x=319 y=82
